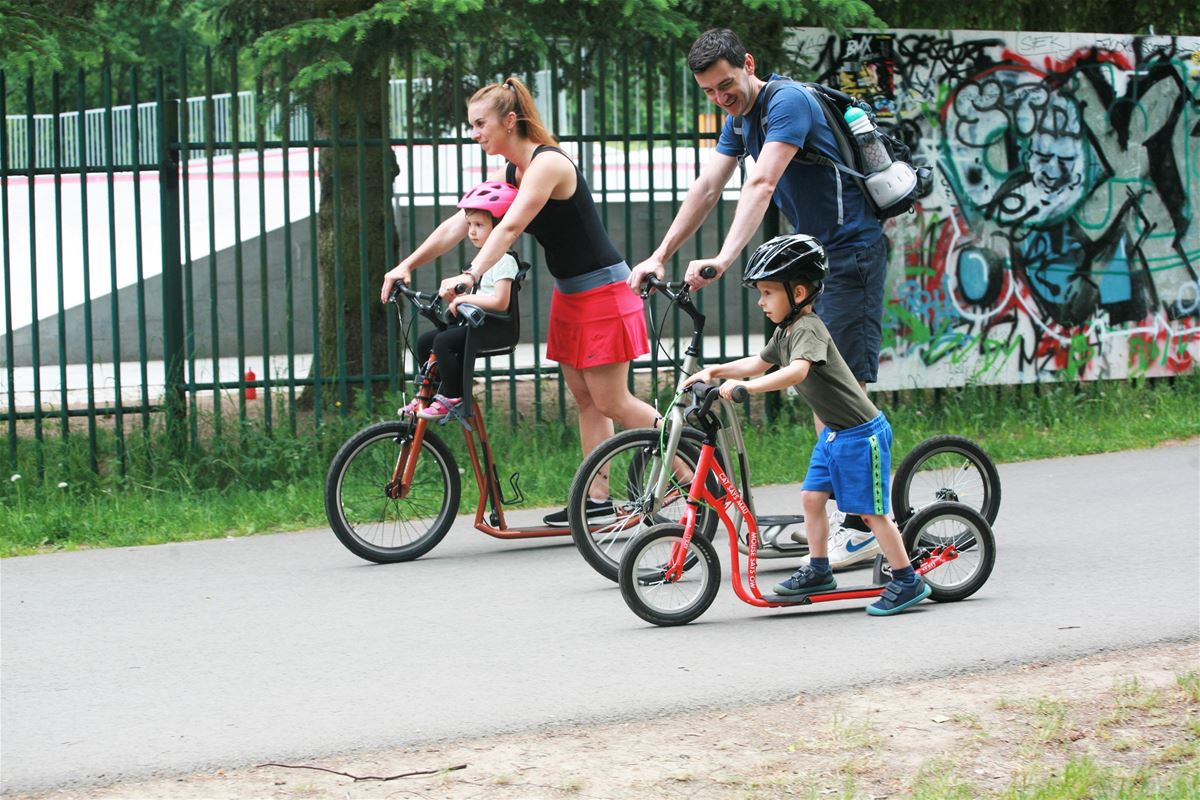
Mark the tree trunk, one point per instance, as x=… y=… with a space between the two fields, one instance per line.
x=356 y=240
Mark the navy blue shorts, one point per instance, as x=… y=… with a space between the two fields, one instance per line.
x=854 y=466
x=851 y=306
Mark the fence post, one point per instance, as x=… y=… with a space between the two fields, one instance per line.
x=172 y=270
x=773 y=401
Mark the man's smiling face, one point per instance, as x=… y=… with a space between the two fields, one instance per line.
x=731 y=88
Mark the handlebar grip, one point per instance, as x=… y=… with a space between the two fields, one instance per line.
x=708 y=273
x=460 y=288
x=711 y=394
x=740 y=394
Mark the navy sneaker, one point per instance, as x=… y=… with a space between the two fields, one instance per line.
x=807 y=580
x=599 y=512
x=898 y=596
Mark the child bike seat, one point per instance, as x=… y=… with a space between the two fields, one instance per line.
x=504 y=324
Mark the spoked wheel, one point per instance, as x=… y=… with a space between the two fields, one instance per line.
x=373 y=515
x=630 y=465
x=668 y=600
x=936 y=527
x=946 y=469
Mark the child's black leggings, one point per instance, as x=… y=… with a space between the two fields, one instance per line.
x=449 y=346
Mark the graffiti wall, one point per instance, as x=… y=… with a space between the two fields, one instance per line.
x=1062 y=239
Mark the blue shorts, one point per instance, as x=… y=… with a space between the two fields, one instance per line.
x=854 y=466
x=851 y=306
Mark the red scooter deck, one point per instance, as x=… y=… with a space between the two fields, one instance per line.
x=841 y=593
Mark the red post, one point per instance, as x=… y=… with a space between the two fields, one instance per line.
x=251 y=391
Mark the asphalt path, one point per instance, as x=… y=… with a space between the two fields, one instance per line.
x=163 y=660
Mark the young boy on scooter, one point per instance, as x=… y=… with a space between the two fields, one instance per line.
x=852 y=457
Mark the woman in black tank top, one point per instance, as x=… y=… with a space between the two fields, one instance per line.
x=597 y=326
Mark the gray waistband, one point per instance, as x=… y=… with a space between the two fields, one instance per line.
x=591 y=280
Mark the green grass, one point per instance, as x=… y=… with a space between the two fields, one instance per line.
x=248 y=481
x=1083 y=778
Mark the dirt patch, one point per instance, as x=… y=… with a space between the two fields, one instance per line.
x=965 y=736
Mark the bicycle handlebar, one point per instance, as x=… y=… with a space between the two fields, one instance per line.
x=424 y=302
x=673 y=290
x=705 y=395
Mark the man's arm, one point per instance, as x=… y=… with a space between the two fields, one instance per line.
x=700 y=199
x=752 y=204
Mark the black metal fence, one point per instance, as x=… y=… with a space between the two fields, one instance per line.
x=160 y=254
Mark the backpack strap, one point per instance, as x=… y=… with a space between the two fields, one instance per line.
x=809 y=155
x=806 y=154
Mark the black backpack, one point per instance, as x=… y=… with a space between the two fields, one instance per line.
x=835 y=104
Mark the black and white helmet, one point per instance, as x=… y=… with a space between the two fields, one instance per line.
x=786 y=259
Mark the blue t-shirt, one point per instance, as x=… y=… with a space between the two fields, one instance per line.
x=807 y=194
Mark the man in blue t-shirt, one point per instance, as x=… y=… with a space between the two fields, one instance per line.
x=817 y=200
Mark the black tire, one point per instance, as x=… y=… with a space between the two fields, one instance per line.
x=643 y=584
x=946 y=469
x=945 y=523
x=380 y=528
x=631 y=454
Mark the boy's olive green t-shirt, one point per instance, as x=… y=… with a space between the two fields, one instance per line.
x=830 y=387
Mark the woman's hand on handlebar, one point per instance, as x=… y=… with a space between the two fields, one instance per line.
x=398 y=274
x=702 y=272
x=450 y=287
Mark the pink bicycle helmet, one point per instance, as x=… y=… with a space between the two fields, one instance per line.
x=493 y=197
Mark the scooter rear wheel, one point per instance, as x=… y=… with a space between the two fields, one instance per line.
x=946 y=469
x=939 y=525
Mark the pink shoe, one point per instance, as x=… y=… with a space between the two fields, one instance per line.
x=440 y=407
x=411 y=408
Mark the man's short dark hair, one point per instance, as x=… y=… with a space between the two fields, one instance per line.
x=712 y=46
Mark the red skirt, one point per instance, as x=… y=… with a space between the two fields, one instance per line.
x=605 y=325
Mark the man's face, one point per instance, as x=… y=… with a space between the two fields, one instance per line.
x=728 y=86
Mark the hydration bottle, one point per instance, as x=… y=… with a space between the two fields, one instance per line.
x=891 y=184
x=875 y=153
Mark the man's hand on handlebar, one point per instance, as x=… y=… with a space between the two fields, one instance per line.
x=702 y=272
x=703 y=376
x=651 y=266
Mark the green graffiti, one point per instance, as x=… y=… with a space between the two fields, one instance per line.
x=1079 y=355
x=1141 y=354
x=994 y=354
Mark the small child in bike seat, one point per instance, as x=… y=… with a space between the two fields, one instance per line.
x=484 y=206
x=852 y=457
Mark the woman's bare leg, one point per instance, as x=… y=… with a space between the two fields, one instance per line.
x=603 y=397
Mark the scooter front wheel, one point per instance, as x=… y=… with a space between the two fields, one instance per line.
x=651 y=593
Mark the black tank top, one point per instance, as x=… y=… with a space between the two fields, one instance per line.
x=570 y=231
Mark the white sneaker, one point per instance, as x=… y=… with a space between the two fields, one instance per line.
x=848 y=546
x=836 y=518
